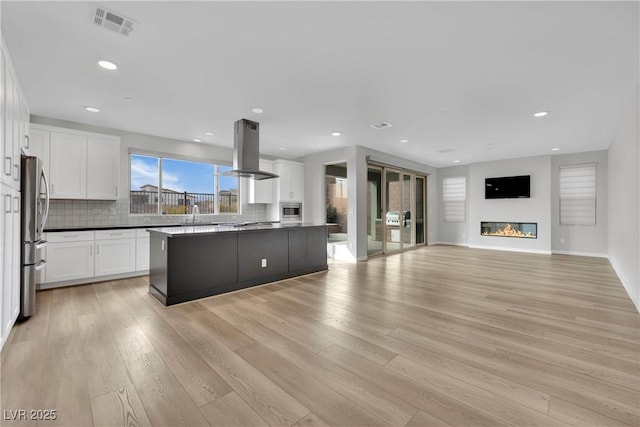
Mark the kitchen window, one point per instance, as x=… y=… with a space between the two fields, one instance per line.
x=162 y=185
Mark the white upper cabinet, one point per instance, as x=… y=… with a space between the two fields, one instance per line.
x=262 y=191
x=39 y=146
x=102 y=168
x=68 y=166
x=81 y=165
x=8 y=121
x=291 y=181
x=24 y=124
x=15 y=115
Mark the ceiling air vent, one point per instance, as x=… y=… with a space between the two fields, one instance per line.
x=113 y=21
x=381 y=125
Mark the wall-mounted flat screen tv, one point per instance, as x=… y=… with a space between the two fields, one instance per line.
x=508 y=187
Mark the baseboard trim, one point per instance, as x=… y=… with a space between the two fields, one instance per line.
x=498 y=248
x=93 y=279
x=588 y=254
x=449 y=244
x=626 y=283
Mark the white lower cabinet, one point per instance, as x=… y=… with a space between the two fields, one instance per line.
x=142 y=250
x=9 y=260
x=77 y=257
x=115 y=252
x=70 y=256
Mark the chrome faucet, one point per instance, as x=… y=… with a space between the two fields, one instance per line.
x=195 y=211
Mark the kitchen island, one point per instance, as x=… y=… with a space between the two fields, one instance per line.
x=192 y=262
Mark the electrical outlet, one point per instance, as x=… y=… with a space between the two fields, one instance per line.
x=264 y=262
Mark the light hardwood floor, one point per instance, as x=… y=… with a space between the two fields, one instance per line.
x=433 y=337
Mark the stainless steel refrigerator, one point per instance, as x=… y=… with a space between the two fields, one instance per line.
x=35 y=208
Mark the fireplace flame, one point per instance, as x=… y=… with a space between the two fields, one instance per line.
x=509 y=231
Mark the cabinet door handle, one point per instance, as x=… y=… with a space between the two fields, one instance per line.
x=26 y=144
x=52 y=188
x=16 y=168
x=90 y=250
x=97 y=249
x=16 y=208
x=7 y=165
x=7 y=203
x=116 y=191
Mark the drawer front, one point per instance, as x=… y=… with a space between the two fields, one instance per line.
x=121 y=233
x=70 y=236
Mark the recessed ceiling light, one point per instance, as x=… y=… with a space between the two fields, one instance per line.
x=108 y=65
x=126 y=98
x=197 y=140
x=209 y=133
x=92 y=109
x=336 y=133
x=456 y=161
x=282 y=148
x=257 y=110
x=541 y=114
x=404 y=141
x=555 y=149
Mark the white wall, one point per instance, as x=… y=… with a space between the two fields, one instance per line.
x=624 y=202
x=580 y=240
x=535 y=209
x=452 y=233
x=314 y=208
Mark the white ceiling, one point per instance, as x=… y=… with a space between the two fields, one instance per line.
x=447 y=75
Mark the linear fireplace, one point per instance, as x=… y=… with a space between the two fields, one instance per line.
x=523 y=230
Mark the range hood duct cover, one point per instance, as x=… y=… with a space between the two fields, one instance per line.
x=246 y=151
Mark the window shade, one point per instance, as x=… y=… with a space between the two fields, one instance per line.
x=578 y=195
x=454 y=198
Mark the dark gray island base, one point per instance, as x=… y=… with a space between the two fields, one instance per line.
x=188 y=263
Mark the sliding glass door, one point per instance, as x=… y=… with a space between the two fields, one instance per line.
x=395 y=210
x=408 y=210
x=375 y=223
x=419 y=226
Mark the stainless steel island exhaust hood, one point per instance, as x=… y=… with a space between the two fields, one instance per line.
x=246 y=151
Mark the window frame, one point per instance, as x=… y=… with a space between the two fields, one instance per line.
x=446 y=203
x=593 y=199
x=173 y=156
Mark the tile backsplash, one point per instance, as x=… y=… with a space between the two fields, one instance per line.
x=82 y=213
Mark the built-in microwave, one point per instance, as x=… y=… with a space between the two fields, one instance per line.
x=290 y=212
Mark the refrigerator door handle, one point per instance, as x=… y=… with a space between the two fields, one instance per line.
x=41 y=244
x=46 y=211
x=39 y=266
